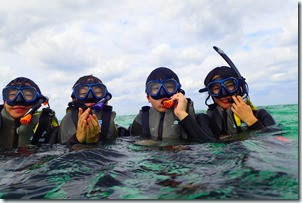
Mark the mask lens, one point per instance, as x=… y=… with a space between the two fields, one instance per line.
x=214 y=88
x=81 y=91
x=230 y=84
x=153 y=88
x=99 y=91
x=171 y=86
x=29 y=94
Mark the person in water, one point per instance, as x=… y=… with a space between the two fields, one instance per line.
x=21 y=123
x=232 y=110
x=89 y=119
x=163 y=121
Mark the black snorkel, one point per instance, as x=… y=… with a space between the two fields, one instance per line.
x=29 y=114
x=241 y=80
x=243 y=87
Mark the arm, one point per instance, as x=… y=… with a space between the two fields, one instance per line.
x=188 y=123
x=197 y=132
x=264 y=119
x=255 y=120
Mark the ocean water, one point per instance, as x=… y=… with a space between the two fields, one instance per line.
x=254 y=166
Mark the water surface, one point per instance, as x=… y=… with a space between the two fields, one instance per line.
x=254 y=166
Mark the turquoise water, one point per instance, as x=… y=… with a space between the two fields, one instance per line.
x=254 y=166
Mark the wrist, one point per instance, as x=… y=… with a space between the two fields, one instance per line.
x=79 y=138
x=182 y=115
x=251 y=121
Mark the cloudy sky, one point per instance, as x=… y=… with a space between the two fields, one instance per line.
x=54 y=42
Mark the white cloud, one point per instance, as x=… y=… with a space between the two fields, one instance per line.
x=121 y=42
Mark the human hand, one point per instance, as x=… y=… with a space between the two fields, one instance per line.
x=93 y=129
x=88 y=127
x=82 y=125
x=180 y=110
x=243 y=111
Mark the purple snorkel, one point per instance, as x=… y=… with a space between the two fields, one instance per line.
x=100 y=104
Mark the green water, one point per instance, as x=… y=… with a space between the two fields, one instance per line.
x=260 y=166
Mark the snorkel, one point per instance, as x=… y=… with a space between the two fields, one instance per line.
x=100 y=104
x=168 y=103
x=242 y=83
x=229 y=72
x=97 y=106
x=29 y=114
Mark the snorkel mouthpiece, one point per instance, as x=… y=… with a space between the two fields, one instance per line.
x=100 y=104
x=231 y=100
x=168 y=103
x=26 y=119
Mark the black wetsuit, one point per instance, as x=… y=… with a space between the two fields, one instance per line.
x=161 y=126
x=218 y=122
x=14 y=134
x=68 y=125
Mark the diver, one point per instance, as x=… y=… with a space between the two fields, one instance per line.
x=171 y=115
x=89 y=119
x=21 y=121
x=232 y=111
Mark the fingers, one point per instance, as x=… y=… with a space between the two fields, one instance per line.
x=93 y=129
x=88 y=126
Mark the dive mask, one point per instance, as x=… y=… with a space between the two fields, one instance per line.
x=159 y=89
x=20 y=95
x=89 y=92
x=223 y=87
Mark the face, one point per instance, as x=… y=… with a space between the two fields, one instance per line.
x=17 y=111
x=157 y=104
x=222 y=102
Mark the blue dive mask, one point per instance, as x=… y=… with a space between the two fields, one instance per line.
x=90 y=92
x=159 y=89
x=20 y=95
x=223 y=88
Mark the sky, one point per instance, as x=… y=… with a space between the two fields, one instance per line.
x=54 y=42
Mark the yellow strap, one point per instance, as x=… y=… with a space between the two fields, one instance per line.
x=237 y=120
x=54 y=123
x=35 y=129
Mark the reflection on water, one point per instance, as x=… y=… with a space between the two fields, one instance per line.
x=255 y=166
